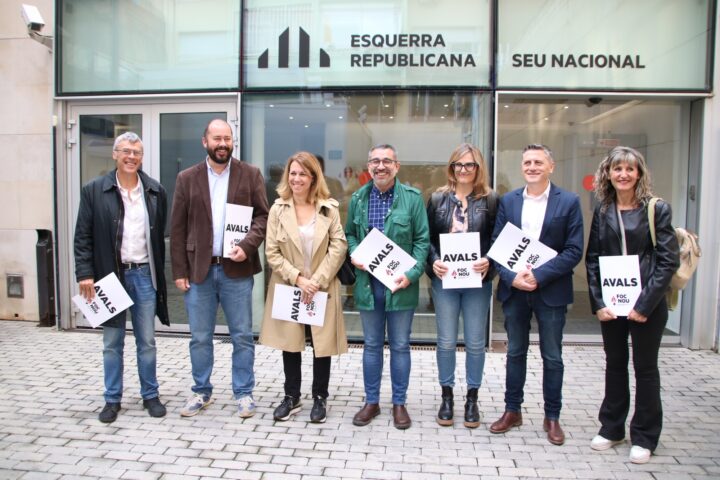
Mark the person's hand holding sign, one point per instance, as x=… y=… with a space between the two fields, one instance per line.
x=605 y=314
x=439 y=268
x=87 y=289
x=524 y=280
x=482 y=266
x=237 y=254
x=357 y=264
x=401 y=282
x=308 y=287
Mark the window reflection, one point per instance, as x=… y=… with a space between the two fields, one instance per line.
x=580 y=132
x=342 y=127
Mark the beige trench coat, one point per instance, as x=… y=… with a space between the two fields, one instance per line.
x=283 y=250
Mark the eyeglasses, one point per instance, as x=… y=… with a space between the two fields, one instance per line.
x=470 y=166
x=386 y=162
x=130 y=151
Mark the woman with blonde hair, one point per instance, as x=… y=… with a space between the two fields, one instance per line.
x=305 y=247
x=620 y=226
x=465 y=204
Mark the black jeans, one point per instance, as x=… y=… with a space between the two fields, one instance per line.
x=646 y=423
x=292 y=362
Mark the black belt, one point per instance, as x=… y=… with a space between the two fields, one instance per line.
x=132 y=266
x=216 y=260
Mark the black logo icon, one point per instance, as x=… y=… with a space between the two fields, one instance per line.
x=284 y=56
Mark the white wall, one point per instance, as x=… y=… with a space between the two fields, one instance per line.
x=705 y=332
x=26 y=187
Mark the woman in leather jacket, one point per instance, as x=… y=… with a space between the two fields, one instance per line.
x=622 y=188
x=465 y=204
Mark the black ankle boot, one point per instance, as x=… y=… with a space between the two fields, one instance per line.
x=472 y=414
x=445 y=414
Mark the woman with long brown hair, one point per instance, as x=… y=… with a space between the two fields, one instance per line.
x=620 y=226
x=465 y=204
x=305 y=246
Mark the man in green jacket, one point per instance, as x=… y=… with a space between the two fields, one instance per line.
x=398 y=211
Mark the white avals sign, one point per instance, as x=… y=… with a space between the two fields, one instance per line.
x=604 y=44
x=383 y=258
x=459 y=251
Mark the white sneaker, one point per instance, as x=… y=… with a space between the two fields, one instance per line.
x=601 y=443
x=195 y=403
x=639 y=454
x=246 y=406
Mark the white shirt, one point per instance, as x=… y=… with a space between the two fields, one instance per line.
x=307 y=235
x=533 y=212
x=218 y=184
x=133 y=248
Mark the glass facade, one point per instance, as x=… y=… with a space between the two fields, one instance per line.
x=642 y=44
x=342 y=127
x=344 y=43
x=580 y=134
x=97 y=136
x=145 y=45
x=337 y=77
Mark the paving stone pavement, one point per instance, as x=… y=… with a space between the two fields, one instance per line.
x=52 y=387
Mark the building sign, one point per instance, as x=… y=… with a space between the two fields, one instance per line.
x=604 y=44
x=395 y=43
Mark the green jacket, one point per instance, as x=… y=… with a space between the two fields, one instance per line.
x=406 y=224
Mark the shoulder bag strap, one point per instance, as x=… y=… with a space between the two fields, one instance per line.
x=623 y=241
x=651 y=219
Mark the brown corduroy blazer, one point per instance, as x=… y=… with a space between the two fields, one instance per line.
x=191 y=232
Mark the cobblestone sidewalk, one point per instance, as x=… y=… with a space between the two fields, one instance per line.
x=52 y=387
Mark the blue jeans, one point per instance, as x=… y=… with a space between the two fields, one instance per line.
x=398 y=331
x=201 y=302
x=518 y=310
x=475 y=306
x=138 y=283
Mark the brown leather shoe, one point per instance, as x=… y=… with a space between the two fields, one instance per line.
x=401 y=419
x=555 y=434
x=506 y=422
x=366 y=414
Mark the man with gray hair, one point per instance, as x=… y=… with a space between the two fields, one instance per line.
x=120 y=229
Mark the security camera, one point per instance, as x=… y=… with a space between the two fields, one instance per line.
x=32 y=18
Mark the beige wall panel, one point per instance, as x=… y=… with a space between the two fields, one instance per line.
x=17 y=255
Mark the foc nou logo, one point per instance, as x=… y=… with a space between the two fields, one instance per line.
x=391 y=267
x=620 y=299
x=284 y=51
x=460 y=273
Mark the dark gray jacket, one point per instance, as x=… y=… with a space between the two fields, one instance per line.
x=657 y=264
x=99 y=232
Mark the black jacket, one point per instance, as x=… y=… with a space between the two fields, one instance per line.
x=657 y=265
x=481 y=218
x=99 y=231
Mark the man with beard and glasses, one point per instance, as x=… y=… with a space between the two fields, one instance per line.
x=398 y=211
x=206 y=278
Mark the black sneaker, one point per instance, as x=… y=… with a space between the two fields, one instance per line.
x=288 y=406
x=154 y=407
x=318 y=414
x=109 y=412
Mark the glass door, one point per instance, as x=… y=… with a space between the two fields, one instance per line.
x=171 y=136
